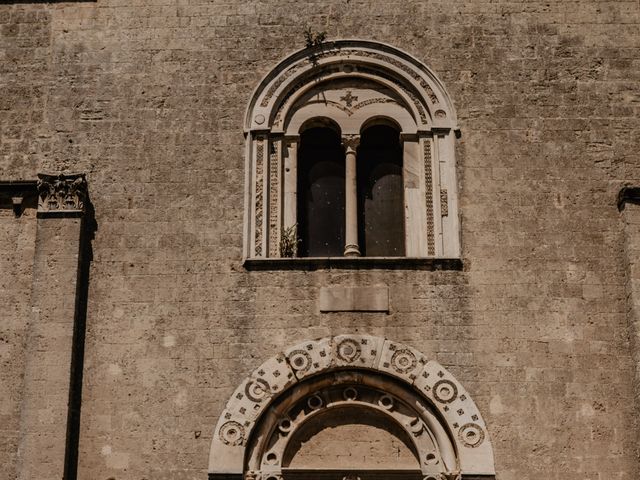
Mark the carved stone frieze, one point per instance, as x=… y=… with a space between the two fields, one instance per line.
x=274 y=197
x=428 y=193
x=61 y=193
x=259 y=194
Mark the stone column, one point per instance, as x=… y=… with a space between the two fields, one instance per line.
x=289 y=218
x=351 y=248
x=47 y=417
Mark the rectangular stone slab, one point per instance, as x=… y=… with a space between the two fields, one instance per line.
x=354 y=299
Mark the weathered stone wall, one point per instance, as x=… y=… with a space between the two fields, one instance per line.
x=25 y=40
x=148 y=98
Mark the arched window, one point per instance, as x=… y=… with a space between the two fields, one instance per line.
x=365 y=115
x=380 y=193
x=348 y=407
x=320 y=192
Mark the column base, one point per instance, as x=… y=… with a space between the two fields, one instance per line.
x=351 y=251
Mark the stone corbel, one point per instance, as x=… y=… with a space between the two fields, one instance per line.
x=61 y=194
x=17 y=194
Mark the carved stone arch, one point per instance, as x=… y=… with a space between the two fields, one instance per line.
x=253 y=436
x=386 y=81
x=282 y=117
x=347 y=57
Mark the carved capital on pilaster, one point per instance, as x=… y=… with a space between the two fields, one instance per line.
x=350 y=142
x=61 y=193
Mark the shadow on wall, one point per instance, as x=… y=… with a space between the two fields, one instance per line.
x=89 y=228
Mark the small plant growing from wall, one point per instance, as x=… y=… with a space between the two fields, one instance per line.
x=314 y=39
x=289 y=242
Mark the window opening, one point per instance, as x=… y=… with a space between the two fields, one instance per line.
x=380 y=193
x=398 y=197
x=321 y=198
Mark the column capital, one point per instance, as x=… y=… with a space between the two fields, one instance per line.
x=351 y=142
x=61 y=193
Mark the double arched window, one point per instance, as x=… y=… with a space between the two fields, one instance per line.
x=350 y=152
x=350 y=196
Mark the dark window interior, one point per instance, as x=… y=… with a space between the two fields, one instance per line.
x=380 y=193
x=321 y=199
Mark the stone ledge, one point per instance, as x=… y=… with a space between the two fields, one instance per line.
x=353 y=263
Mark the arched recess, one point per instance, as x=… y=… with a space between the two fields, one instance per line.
x=259 y=431
x=352 y=82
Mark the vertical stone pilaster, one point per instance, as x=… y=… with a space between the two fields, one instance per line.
x=48 y=396
x=629 y=204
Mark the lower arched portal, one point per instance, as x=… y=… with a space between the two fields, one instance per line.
x=346 y=408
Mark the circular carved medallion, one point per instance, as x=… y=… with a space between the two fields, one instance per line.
x=403 y=361
x=231 y=433
x=445 y=391
x=348 y=350
x=300 y=361
x=259 y=119
x=471 y=435
x=257 y=389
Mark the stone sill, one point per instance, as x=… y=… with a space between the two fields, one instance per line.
x=353 y=263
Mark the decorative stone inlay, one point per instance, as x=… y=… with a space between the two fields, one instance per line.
x=428 y=193
x=274 y=197
x=259 y=194
x=278 y=82
x=348 y=98
x=419 y=107
x=300 y=361
x=62 y=193
x=231 y=433
x=444 y=203
x=257 y=390
x=372 y=101
x=386 y=59
x=471 y=434
x=445 y=391
x=348 y=350
x=403 y=360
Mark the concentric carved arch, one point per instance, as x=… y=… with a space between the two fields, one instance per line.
x=412 y=81
x=259 y=431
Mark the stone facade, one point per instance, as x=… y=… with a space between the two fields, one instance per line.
x=147 y=98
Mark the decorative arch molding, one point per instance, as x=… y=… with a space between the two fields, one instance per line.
x=352 y=82
x=396 y=382
x=375 y=61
